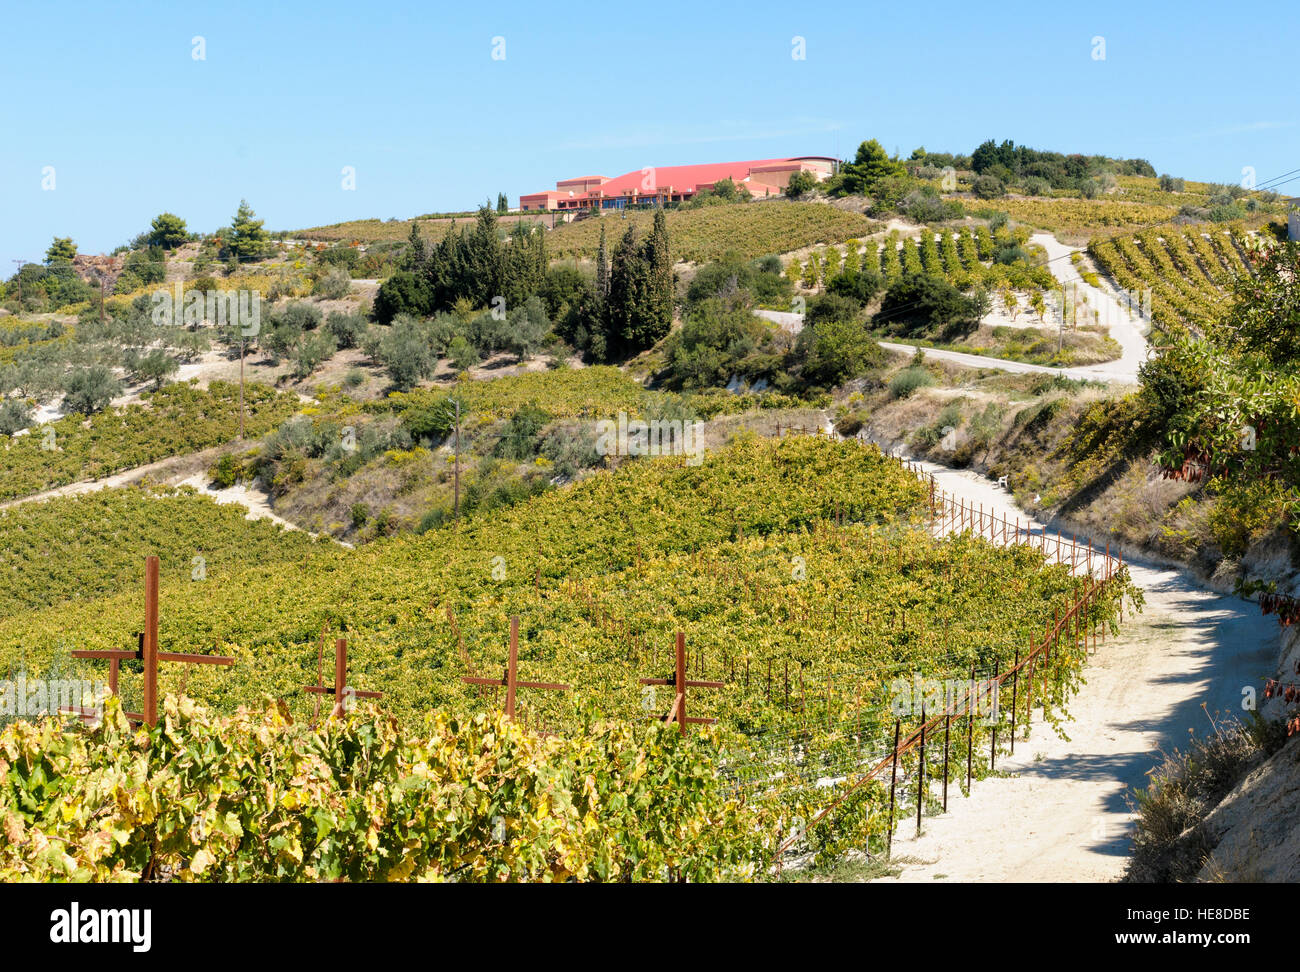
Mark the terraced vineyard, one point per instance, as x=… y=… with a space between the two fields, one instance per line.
x=601 y=574
x=749 y=229
x=599 y=391
x=1189 y=271
x=701 y=235
x=177 y=419
x=1085 y=216
x=82 y=548
x=964 y=258
x=800 y=572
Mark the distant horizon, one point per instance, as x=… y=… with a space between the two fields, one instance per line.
x=155 y=108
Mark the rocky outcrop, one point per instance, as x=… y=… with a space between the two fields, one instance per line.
x=1255 y=830
x=93 y=268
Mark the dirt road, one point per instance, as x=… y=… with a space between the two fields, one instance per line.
x=1063 y=815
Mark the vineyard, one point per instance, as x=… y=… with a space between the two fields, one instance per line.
x=176 y=419
x=999 y=263
x=1122 y=201
x=1087 y=217
x=701 y=235
x=19 y=338
x=965 y=259
x=86 y=547
x=433 y=228
x=1189 y=272
x=802 y=573
x=596 y=391
x=750 y=230
x=257 y=798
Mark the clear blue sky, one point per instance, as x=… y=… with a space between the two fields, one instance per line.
x=408 y=94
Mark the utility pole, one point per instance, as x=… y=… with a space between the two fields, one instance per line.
x=241 y=385
x=1060 y=339
x=103 y=287
x=457 y=459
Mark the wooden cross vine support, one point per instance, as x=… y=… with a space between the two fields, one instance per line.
x=342 y=692
x=510 y=679
x=677 y=713
x=148 y=652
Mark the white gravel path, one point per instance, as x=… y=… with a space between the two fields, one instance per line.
x=1063 y=815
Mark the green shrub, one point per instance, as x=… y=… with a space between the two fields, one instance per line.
x=89 y=390
x=988 y=187
x=15 y=415
x=571 y=449
x=907 y=381
x=406 y=354
x=402 y=293
x=833 y=351
x=519 y=437
x=333 y=284
x=227 y=471
x=1169 y=843
x=922 y=305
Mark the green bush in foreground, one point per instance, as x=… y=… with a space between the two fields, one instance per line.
x=255 y=797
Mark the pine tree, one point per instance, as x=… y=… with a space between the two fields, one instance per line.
x=246 y=237
x=62 y=250
x=525 y=264
x=483 y=260
x=415 y=249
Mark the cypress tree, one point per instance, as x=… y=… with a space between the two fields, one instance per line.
x=525 y=264
x=627 y=310
x=602 y=266
x=660 y=265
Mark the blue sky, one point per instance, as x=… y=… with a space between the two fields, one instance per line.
x=111 y=97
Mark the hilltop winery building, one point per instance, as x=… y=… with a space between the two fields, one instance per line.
x=654 y=186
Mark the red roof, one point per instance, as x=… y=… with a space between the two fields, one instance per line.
x=677 y=179
x=683 y=178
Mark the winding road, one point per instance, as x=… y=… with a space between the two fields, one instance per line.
x=1126 y=328
x=1062 y=813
